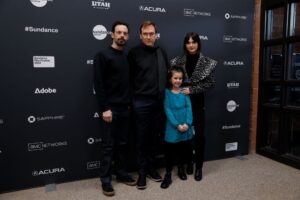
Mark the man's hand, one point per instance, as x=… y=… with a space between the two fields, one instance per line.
x=107 y=116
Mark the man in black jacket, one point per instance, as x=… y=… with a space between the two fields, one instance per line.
x=148 y=72
x=111 y=84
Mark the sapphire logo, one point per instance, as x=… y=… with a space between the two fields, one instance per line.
x=230 y=39
x=233 y=63
x=40 y=30
x=32 y=119
x=101 y=4
x=48 y=171
x=230 y=16
x=92 y=140
x=100 y=32
x=187 y=12
x=39 y=3
x=231 y=106
x=45 y=91
x=152 y=9
x=233 y=85
x=233 y=146
x=93 y=165
x=43 y=61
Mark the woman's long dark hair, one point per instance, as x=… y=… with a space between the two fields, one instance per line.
x=194 y=37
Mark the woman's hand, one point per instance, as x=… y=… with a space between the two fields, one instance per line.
x=186 y=91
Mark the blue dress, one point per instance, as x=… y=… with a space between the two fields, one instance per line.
x=178 y=110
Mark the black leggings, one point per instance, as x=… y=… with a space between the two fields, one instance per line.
x=177 y=153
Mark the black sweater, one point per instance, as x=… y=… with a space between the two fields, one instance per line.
x=111 y=78
x=144 y=70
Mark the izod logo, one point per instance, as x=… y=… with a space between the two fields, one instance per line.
x=45 y=91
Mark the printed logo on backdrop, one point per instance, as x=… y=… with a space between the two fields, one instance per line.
x=231 y=106
x=32 y=119
x=43 y=61
x=96 y=114
x=187 y=12
x=230 y=39
x=233 y=146
x=93 y=165
x=233 y=85
x=152 y=9
x=203 y=37
x=45 y=91
x=40 y=29
x=229 y=127
x=90 y=62
x=40 y=3
x=48 y=171
x=92 y=140
x=101 y=4
x=1 y=121
x=231 y=16
x=40 y=146
x=233 y=63
x=100 y=32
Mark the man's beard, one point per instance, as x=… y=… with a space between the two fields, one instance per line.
x=120 y=42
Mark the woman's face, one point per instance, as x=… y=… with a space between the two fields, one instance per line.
x=191 y=46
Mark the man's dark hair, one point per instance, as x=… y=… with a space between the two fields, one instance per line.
x=116 y=23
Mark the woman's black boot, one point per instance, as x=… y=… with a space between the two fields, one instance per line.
x=198 y=174
x=181 y=173
x=167 y=180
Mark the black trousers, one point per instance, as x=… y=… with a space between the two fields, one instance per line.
x=177 y=153
x=147 y=113
x=114 y=137
x=199 y=126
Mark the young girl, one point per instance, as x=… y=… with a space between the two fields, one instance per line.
x=178 y=133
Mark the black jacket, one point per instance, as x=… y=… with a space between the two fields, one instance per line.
x=148 y=71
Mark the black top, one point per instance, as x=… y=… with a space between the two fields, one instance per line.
x=111 y=78
x=191 y=61
x=144 y=70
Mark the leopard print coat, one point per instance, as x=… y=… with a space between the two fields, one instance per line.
x=202 y=77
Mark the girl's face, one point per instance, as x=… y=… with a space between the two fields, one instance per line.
x=191 y=46
x=176 y=79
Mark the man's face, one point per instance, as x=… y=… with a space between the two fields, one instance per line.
x=120 y=36
x=148 y=35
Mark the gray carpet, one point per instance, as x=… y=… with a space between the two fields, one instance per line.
x=252 y=178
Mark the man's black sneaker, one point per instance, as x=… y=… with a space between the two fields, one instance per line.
x=154 y=175
x=127 y=179
x=141 y=182
x=107 y=189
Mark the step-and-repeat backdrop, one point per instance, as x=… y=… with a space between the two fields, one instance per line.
x=49 y=130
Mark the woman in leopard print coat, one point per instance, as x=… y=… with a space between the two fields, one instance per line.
x=199 y=73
